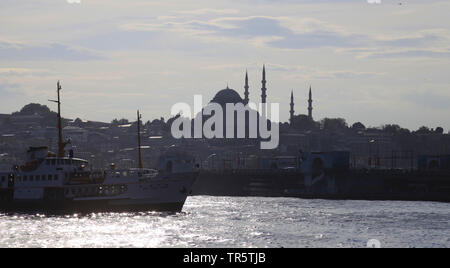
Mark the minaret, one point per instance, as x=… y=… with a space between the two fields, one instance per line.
x=310 y=108
x=246 y=100
x=292 y=107
x=263 y=89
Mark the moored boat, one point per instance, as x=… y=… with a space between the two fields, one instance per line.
x=61 y=183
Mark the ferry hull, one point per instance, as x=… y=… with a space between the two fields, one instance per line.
x=91 y=206
x=140 y=197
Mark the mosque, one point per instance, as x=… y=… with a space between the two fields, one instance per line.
x=248 y=139
x=229 y=95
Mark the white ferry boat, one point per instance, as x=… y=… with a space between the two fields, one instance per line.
x=58 y=183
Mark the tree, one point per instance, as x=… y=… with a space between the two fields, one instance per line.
x=358 y=126
x=78 y=122
x=404 y=132
x=34 y=108
x=439 y=130
x=167 y=127
x=333 y=124
x=123 y=121
x=393 y=129
x=423 y=130
x=303 y=122
x=116 y=122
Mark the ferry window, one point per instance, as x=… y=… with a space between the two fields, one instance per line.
x=49 y=177
x=66 y=162
x=3 y=178
x=38 y=177
x=59 y=161
x=53 y=162
x=18 y=178
x=47 y=162
x=31 y=178
x=56 y=177
x=25 y=178
x=43 y=177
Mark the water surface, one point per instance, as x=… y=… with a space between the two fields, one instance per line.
x=241 y=222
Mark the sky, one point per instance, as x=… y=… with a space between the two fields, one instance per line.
x=377 y=62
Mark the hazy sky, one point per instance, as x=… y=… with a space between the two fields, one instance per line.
x=374 y=63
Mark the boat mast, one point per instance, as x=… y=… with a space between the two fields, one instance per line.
x=61 y=144
x=139 y=116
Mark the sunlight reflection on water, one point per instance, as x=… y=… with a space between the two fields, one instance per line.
x=241 y=222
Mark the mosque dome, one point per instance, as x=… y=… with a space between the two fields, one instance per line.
x=227 y=95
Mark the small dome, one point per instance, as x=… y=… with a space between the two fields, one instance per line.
x=227 y=95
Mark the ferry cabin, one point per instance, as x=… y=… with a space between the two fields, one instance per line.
x=49 y=173
x=6 y=180
x=45 y=177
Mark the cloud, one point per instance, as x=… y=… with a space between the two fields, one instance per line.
x=206 y=11
x=307 y=73
x=224 y=66
x=54 y=51
x=430 y=100
x=118 y=40
x=284 y=32
x=276 y=32
x=420 y=38
x=9 y=90
x=21 y=72
x=408 y=53
x=345 y=74
x=272 y=31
